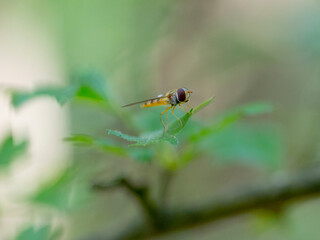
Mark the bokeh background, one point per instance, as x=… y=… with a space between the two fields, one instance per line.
x=238 y=51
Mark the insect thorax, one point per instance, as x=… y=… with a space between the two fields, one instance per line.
x=173 y=100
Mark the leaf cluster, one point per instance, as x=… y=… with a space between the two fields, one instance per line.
x=224 y=137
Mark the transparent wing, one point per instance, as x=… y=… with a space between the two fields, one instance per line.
x=171 y=92
x=144 y=101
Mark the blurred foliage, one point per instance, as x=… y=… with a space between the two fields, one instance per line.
x=36 y=234
x=39 y=233
x=10 y=151
x=143 y=46
x=65 y=193
x=106 y=145
x=89 y=86
x=253 y=145
x=230 y=117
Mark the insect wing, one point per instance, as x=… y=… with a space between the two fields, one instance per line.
x=144 y=101
x=170 y=93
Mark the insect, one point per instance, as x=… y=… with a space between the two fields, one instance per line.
x=173 y=98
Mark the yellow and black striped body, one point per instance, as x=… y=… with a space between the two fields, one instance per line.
x=156 y=102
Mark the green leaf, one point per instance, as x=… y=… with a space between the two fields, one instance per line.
x=62 y=95
x=40 y=233
x=123 y=136
x=249 y=144
x=103 y=144
x=89 y=86
x=109 y=146
x=32 y=233
x=231 y=117
x=158 y=136
x=65 y=193
x=175 y=127
x=202 y=105
x=144 y=140
x=80 y=139
x=9 y=150
x=88 y=93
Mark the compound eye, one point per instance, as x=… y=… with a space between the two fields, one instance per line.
x=181 y=95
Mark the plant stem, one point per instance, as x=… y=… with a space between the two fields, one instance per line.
x=141 y=193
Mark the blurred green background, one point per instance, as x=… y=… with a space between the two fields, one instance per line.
x=124 y=51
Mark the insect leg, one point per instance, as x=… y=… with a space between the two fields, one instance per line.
x=164 y=126
x=189 y=105
x=184 y=108
x=176 y=116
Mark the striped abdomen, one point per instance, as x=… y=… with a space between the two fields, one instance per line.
x=155 y=102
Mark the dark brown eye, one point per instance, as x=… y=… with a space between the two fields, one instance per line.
x=181 y=95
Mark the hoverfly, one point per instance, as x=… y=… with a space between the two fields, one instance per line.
x=173 y=98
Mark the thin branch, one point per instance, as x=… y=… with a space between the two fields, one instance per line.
x=275 y=195
x=141 y=193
